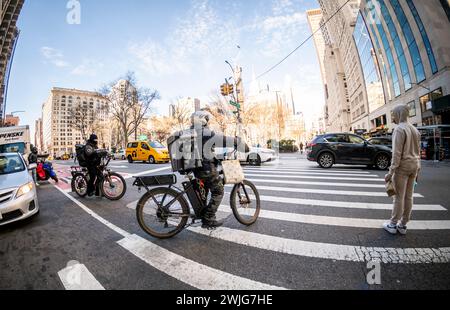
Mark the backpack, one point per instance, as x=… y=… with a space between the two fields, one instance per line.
x=81 y=155
x=184 y=151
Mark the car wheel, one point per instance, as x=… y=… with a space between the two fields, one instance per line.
x=326 y=160
x=151 y=160
x=382 y=162
x=254 y=160
x=130 y=159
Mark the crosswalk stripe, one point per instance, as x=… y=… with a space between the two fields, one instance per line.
x=345 y=204
x=78 y=278
x=183 y=269
x=354 y=185
x=315 y=177
x=323 y=191
x=341 y=221
x=328 y=251
x=149 y=172
x=311 y=173
x=186 y=270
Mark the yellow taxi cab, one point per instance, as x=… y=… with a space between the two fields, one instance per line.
x=65 y=157
x=151 y=152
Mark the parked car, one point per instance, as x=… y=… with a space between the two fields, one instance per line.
x=120 y=155
x=255 y=157
x=386 y=141
x=151 y=152
x=330 y=149
x=18 y=197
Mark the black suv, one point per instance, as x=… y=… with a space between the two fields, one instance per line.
x=348 y=149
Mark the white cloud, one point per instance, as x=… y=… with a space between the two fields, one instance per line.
x=88 y=67
x=54 y=56
x=195 y=40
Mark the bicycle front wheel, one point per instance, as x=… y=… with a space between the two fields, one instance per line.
x=245 y=203
x=162 y=213
x=114 y=186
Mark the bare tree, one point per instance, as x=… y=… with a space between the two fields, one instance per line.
x=81 y=119
x=129 y=105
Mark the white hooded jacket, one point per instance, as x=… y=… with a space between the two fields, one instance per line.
x=406 y=143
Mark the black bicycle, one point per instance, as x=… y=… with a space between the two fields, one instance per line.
x=163 y=212
x=109 y=184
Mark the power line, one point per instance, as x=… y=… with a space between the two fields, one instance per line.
x=303 y=43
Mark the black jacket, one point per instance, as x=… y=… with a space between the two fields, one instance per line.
x=32 y=158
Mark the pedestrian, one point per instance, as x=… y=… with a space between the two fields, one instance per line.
x=33 y=159
x=301 y=147
x=404 y=170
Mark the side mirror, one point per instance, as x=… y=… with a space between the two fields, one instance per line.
x=32 y=167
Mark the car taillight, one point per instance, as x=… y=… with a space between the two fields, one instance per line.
x=312 y=145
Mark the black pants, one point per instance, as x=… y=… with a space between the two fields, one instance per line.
x=215 y=185
x=92 y=179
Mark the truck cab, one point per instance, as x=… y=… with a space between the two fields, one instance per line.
x=15 y=140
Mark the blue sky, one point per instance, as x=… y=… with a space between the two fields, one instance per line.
x=178 y=47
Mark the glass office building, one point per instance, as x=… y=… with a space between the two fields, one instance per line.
x=411 y=50
x=370 y=65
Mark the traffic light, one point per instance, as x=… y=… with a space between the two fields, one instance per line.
x=230 y=89
x=224 y=90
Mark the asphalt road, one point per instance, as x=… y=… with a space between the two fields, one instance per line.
x=319 y=229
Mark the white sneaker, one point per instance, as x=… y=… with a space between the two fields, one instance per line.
x=390 y=228
x=402 y=229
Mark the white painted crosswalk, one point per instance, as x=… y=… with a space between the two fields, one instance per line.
x=289 y=187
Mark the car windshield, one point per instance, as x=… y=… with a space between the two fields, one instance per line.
x=11 y=164
x=157 y=145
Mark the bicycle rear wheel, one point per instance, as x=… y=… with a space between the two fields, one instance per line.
x=161 y=213
x=80 y=184
x=245 y=203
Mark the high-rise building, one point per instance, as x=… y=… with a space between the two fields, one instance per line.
x=39 y=135
x=314 y=20
x=186 y=106
x=9 y=13
x=60 y=134
x=407 y=44
x=338 y=23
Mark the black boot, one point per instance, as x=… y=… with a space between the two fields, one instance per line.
x=211 y=223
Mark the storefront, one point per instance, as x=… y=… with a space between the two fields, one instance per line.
x=434 y=110
x=435 y=142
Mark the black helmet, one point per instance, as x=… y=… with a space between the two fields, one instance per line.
x=93 y=139
x=34 y=150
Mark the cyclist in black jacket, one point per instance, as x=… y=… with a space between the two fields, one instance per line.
x=93 y=159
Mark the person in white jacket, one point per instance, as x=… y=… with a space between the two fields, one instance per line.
x=404 y=170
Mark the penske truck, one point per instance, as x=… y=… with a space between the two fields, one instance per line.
x=15 y=140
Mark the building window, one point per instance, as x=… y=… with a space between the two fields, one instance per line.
x=424 y=34
x=411 y=41
x=426 y=102
x=397 y=44
x=412 y=109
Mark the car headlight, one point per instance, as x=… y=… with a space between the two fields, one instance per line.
x=25 y=189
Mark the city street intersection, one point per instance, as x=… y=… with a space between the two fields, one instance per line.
x=318 y=229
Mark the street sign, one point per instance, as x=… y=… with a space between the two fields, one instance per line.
x=235 y=104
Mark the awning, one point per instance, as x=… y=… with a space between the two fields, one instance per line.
x=441 y=105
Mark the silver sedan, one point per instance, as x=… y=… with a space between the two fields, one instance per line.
x=18 y=197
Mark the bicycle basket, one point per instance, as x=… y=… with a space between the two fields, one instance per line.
x=232 y=171
x=156 y=180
